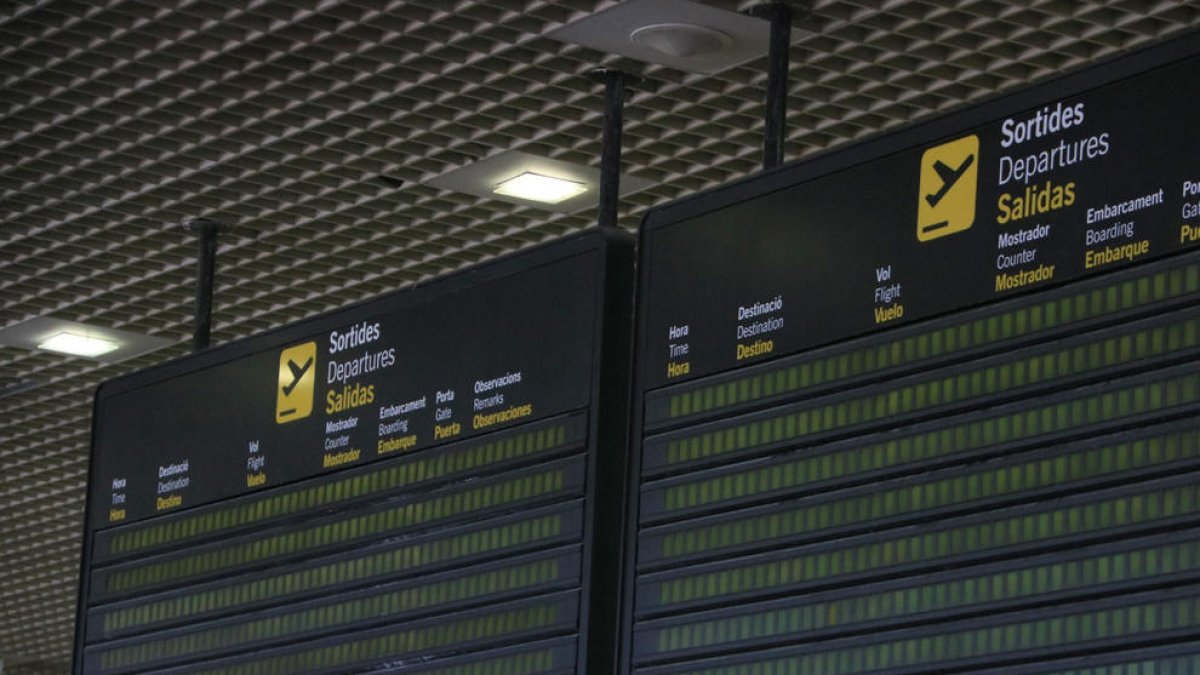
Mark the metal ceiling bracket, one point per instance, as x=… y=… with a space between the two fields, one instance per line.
x=206 y=265
x=778 y=59
x=615 y=84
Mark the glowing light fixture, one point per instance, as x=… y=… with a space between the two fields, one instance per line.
x=539 y=188
x=494 y=177
x=78 y=345
x=102 y=343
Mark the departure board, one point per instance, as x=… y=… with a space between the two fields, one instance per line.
x=929 y=403
x=429 y=482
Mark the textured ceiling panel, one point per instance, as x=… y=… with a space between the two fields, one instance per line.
x=311 y=125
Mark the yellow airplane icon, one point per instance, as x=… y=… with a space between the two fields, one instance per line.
x=294 y=395
x=949 y=181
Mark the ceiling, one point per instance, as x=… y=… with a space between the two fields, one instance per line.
x=311 y=126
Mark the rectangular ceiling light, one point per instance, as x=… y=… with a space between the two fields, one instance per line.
x=78 y=345
x=490 y=177
x=104 y=344
x=539 y=188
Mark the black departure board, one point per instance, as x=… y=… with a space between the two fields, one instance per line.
x=429 y=482
x=929 y=403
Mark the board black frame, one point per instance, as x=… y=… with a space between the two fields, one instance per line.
x=1106 y=71
x=607 y=419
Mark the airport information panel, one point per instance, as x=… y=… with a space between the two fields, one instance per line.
x=408 y=485
x=930 y=403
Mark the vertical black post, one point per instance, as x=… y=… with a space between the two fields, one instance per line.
x=206 y=266
x=780 y=16
x=610 y=152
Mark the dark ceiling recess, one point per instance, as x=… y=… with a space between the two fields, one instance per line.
x=395 y=183
x=118 y=116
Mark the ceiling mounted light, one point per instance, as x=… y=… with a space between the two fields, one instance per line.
x=78 y=345
x=681 y=40
x=501 y=177
x=107 y=345
x=691 y=36
x=539 y=188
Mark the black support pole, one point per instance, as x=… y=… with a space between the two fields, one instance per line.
x=610 y=153
x=206 y=267
x=780 y=16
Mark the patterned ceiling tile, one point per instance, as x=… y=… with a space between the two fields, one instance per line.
x=311 y=125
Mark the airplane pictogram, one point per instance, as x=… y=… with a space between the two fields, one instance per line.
x=297 y=373
x=949 y=181
x=949 y=177
x=296 y=382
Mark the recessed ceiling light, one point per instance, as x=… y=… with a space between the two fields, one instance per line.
x=104 y=344
x=488 y=178
x=78 y=345
x=539 y=188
